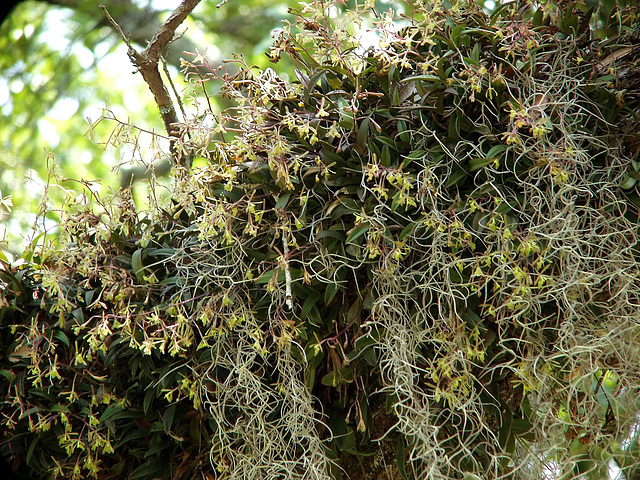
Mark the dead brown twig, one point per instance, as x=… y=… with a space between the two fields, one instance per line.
x=147 y=62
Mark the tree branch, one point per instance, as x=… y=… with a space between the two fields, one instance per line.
x=147 y=63
x=165 y=33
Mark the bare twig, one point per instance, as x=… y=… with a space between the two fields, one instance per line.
x=173 y=89
x=147 y=63
x=115 y=25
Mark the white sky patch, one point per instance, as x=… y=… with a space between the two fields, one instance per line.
x=92 y=112
x=38 y=81
x=120 y=112
x=333 y=11
x=117 y=64
x=198 y=35
x=367 y=38
x=210 y=52
x=48 y=132
x=95 y=187
x=16 y=86
x=102 y=48
x=164 y=4
x=34 y=183
x=132 y=100
x=124 y=78
x=83 y=54
x=489 y=5
x=85 y=157
x=128 y=83
x=52 y=35
x=108 y=158
x=64 y=109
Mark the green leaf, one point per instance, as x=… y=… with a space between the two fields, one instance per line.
x=496 y=150
x=406 y=231
x=628 y=182
x=167 y=418
x=356 y=233
x=456 y=33
x=314 y=354
x=266 y=276
x=365 y=422
x=337 y=234
x=148 y=399
x=131 y=435
x=117 y=468
x=60 y=335
x=331 y=157
x=331 y=379
x=475 y=53
x=330 y=292
x=454 y=128
x=309 y=304
x=194 y=428
x=522 y=428
x=310 y=377
x=123 y=414
x=347 y=442
x=150 y=470
x=387 y=141
x=385 y=157
x=156 y=445
x=30 y=451
x=111 y=410
x=363 y=132
x=415 y=155
x=403 y=131
x=395 y=97
x=136 y=264
x=363 y=348
x=456 y=177
x=427 y=78
x=78 y=314
x=344 y=435
x=59 y=408
x=370 y=356
x=346 y=114
x=366 y=341
x=313 y=79
x=338 y=377
x=282 y=201
x=42 y=394
x=478 y=163
x=401 y=457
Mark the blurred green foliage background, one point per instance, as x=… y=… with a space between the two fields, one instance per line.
x=61 y=64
